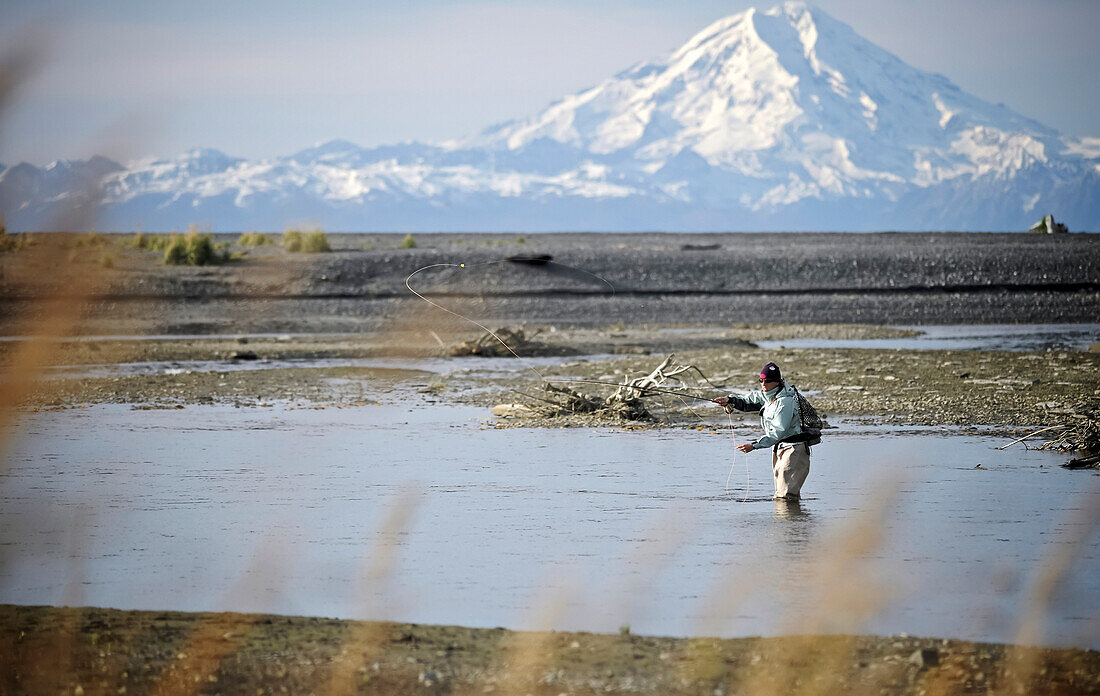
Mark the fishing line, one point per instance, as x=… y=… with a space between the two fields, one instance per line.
x=733 y=461
x=733 y=464
x=544 y=261
x=538 y=261
x=689 y=408
x=476 y=323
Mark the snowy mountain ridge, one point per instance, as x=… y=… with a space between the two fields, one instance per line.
x=783 y=119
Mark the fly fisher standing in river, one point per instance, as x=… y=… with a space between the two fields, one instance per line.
x=779 y=417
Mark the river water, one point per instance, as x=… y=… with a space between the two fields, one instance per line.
x=1015 y=337
x=423 y=513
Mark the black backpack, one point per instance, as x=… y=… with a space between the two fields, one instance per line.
x=809 y=420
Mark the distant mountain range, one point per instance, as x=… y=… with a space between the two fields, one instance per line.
x=778 y=120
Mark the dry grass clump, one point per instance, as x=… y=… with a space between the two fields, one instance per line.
x=91 y=239
x=190 y=249
x=407 y=243
x=149 y=242
x=311 y=242
x=194 y=249
x=12 y=242
x=255 y=239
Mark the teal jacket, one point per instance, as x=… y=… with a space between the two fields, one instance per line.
x=778 y=413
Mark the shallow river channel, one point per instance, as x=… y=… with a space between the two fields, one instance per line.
x=422 y=513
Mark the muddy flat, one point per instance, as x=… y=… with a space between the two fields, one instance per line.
x=1011 y=389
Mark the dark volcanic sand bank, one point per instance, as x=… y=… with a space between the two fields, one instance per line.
x=650 y=279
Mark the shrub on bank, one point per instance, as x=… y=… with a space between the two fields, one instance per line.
x=12 y=242
x=150 y=242
x=255 y=239
x=194 y=249
x=191 y=249
x=408 y=242
x=292 y=240
x=314 y=242
x=93 y=239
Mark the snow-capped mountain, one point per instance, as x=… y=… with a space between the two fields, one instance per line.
x=783 y=119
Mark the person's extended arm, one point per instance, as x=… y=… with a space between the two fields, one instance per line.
x=740 y=403
x=753 y=401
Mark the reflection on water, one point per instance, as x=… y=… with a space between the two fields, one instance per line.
x=216 y=508
x=798 y=531
x=790 y=510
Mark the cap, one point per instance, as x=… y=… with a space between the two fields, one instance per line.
x=771 y=373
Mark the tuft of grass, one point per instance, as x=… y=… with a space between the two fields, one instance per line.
x=504 y=242
x=86 y=247
x=407 y=243
x=292 y=240
x=255 y=239
x=92 y=239
x=313 y=242
x=12 y=242
x=194 y=249
x=150 y=242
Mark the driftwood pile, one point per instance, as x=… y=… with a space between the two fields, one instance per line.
x=505 y=343
x=628 y=402
x=1078 y=432
x=1080 y=429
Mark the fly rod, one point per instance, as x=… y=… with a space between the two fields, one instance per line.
x=656 y=390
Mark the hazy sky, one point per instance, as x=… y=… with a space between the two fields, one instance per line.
x=132 y=78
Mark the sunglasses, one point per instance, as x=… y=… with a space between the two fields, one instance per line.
x=765 y=380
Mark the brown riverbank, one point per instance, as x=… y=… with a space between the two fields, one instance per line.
x=101 y=651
